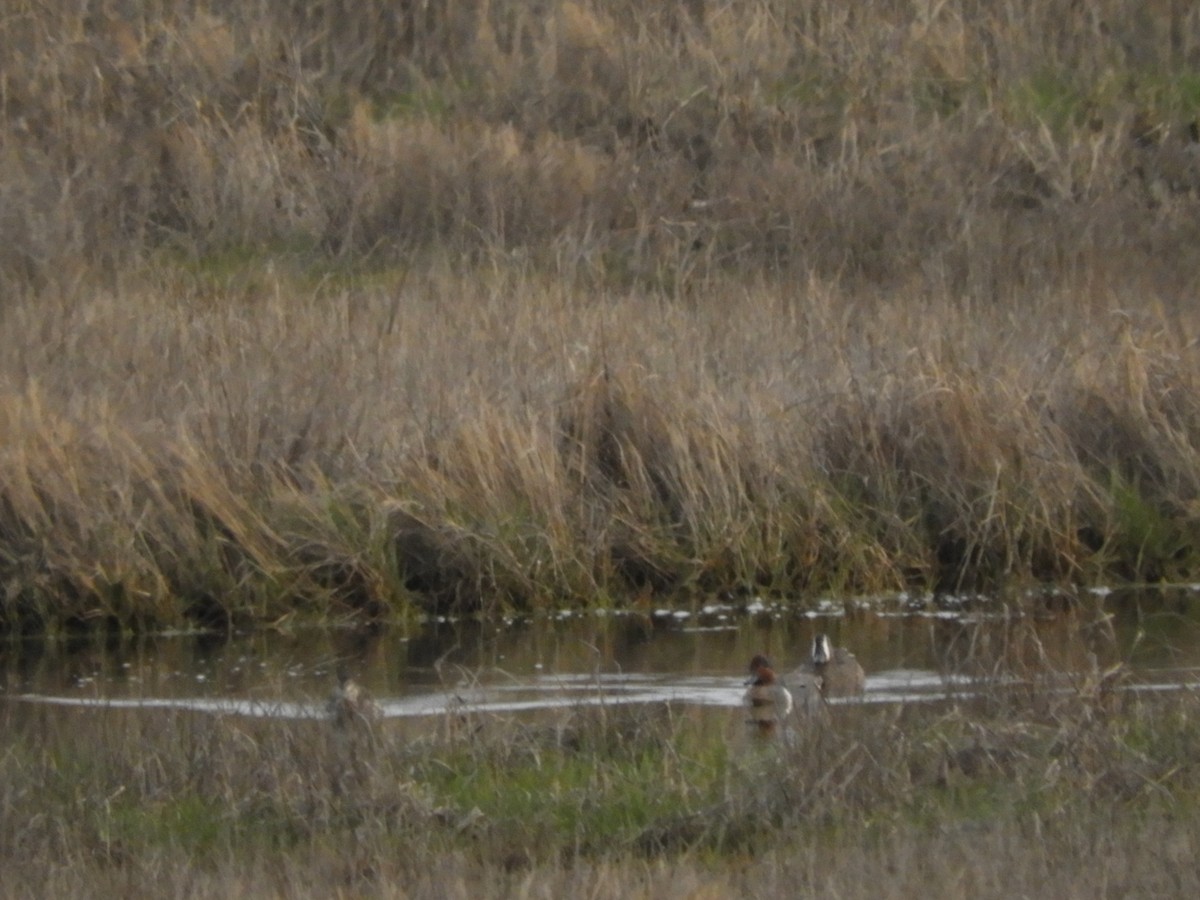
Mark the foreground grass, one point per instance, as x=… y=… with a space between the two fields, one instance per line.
x=350 y=314
x=1090 y=793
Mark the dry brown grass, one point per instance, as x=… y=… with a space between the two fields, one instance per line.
x=496 y=305
x=976 y=150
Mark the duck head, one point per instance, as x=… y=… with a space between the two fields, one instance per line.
x=822 y=652
x=761 y=671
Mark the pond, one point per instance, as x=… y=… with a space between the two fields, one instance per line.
x=912 y=649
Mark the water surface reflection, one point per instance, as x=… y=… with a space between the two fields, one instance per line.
x=911 y=651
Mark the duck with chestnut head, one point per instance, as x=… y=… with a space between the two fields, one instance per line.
x=768 y=701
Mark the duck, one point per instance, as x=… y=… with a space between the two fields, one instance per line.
x=349 y=704
x=806 y=692
x=769 y=701
x=836 y=670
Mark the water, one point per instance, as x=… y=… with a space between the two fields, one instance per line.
x=912 y=652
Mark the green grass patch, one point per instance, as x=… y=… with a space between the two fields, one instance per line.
x=1154 y=543
x=1053 y=98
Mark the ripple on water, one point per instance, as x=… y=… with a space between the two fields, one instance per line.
x=572 y=690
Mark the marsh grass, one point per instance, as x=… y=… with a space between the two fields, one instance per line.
x=1046 y=791
x=492 y=307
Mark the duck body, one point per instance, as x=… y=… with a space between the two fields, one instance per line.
x=768 y=701
x=806 y=692
x=350 y=704
x=837 y=672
